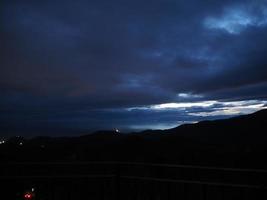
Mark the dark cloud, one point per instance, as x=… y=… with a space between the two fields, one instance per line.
x=70 y=56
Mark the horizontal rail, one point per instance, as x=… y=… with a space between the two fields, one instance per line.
x=139 y=164
x=137 y=178
x=196 y=167
x=58 y=176
x=194 y=182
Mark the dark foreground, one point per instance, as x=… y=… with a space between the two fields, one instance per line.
x=132 y=181
x=87 y=167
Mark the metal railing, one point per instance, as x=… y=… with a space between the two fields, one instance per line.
x=131 y=180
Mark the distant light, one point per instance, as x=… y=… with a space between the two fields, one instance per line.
x=33 y=189
x=117 y=130
x=2 y=141
x=28 y=195
x=20 y=143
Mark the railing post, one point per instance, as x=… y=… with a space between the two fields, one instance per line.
x=204 y=192
x=118 y=182
x=52 y=189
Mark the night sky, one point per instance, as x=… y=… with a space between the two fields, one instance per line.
x=70 y=67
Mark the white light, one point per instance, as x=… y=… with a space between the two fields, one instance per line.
x=20 y=143
x=117 y=130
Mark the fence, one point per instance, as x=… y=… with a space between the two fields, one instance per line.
x=130 y=181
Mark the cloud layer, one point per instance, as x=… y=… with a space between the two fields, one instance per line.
x=65 y=65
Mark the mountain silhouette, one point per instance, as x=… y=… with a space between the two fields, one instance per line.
x=238 y=141
x=246 y=128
